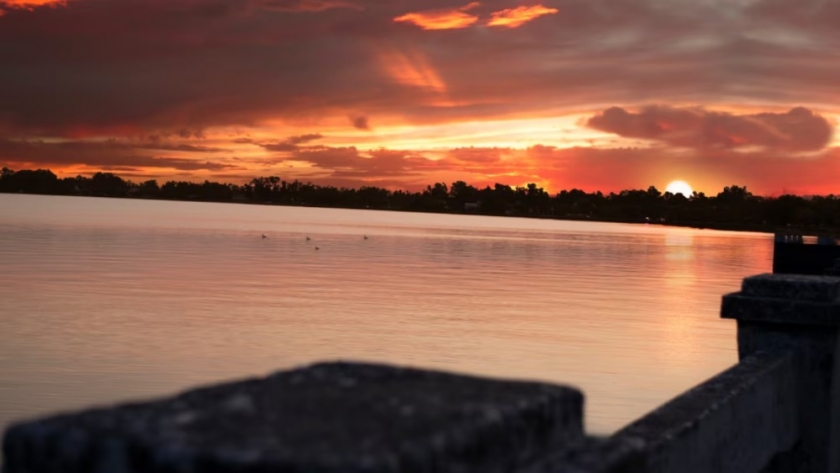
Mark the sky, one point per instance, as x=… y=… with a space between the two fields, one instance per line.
x=589 y=94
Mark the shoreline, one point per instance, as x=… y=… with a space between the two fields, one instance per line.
x=717 y=226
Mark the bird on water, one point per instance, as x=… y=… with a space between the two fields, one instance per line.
x=307 y=238
x=366 y=237
x=264 y=236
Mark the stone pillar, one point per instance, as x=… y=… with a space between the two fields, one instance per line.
x=326 y=418
x=801 y=314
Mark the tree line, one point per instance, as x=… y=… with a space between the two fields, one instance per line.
x=733 y=208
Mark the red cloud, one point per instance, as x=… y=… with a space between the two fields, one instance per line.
x=799 y=129
x=442 y=19
x=515 y=17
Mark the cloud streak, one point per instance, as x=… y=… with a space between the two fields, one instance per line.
x=441 y=19
x=292 y=143
x=458 y=18
x=102 y=156
x=516 y=17
x=799 y=129
x=311 y=6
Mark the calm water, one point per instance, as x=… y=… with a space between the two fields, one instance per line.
x=105 y=300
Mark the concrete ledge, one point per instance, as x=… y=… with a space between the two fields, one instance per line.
x=337 y=417
x=736 y=422
x=786 y=298
x=793 y=286
x=779 y=311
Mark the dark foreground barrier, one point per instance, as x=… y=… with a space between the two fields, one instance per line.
x=772 y=412
x=791 y=255
x=337 y=417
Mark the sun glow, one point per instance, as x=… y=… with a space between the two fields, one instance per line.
x=679 y=187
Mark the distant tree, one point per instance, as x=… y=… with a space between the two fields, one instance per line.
x=733 y=194
x=436 y=197
x=106 y=184
x=148 y=188
x=39 y=181
x=461 y=193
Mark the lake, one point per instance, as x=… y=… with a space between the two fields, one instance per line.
x=108 y=300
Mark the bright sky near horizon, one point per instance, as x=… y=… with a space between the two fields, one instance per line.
x=591 y=94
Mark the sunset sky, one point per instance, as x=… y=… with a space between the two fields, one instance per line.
x=591 y=94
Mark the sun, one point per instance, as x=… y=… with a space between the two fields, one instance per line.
x=679 y=187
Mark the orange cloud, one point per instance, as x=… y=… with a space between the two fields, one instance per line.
x=31 y=4
x=412 y=68
x=515 y=17
x=441 y=19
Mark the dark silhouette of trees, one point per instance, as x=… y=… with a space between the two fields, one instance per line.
x=732 y=208
x=106 y=184
x=39 y=181
x=147 y=189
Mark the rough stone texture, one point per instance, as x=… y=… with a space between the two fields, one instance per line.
x=338 y=417
x=594 y=455
x=739 y=421
x=799 y=313
x=787 y=299
x=793 y=286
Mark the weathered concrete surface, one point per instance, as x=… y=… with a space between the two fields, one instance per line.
x=786 y=298
x=735 y=422
x=594 y=455
x=339 y=417
x=792 y=286
x=800 y=313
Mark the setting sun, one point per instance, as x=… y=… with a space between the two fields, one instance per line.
x=679 y=187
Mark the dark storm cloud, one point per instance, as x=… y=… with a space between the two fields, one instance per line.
x=799 y=129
